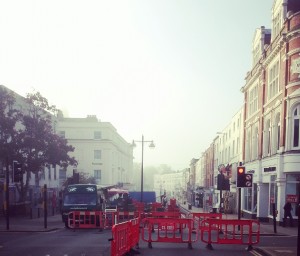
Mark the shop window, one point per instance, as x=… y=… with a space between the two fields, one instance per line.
x=292 y=190
x=248 y=199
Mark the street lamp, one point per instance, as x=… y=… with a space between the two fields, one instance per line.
x=142 y=167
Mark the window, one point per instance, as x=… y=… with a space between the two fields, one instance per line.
x=296 y=131
x=293 y=188
x=54 y=172
x=255 y=144
x=253 y=100
x=62 y=174
x=97 y=154
x=276 y=25
x=49 y=172
x=62 y=134
x=266 y=139
x=97 y=174
x=248 y=146
x=97 y=135
x=256 y=54
x=273 y=88
x=248 y=199
x=276 y=134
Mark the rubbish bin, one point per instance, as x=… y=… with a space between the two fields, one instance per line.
x=190 y=206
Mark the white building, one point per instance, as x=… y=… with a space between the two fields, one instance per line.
x=229 y=152
x=100 y=151
x=174 y=185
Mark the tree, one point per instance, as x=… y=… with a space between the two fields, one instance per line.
x=37 y=143
x=9 y=117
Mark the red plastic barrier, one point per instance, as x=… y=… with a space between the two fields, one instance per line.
x=173 y=214
x=126 y=215
x=155 y=205
x=86 y=219
x=125 y=236
x=200 y=216
x=168 y=230
x=120 y=239
x=134 y=232
x=140 y=209
x=233 y=232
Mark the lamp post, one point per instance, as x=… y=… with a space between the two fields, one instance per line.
x=142 y=165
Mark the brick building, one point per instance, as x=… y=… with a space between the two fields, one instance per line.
x=271 y=148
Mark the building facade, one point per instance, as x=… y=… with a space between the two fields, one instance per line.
x=272 y=113
x=228 y=154
x=100 y=151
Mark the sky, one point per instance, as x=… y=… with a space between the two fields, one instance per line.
x=170 y=70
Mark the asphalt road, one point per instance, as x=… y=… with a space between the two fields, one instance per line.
x=65 y=242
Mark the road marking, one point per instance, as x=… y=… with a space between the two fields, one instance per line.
x=255 y=253
x=283 y=251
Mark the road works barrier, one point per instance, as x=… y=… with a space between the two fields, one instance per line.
x=165 y=214
x=233 y=232
x=86 y=219
x=92 y=219
x=168 y=230
x=124 y=237
x=200 y=216
x=125 y=215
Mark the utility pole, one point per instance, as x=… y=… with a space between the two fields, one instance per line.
x=6 y=188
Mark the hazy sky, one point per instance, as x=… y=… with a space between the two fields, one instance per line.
x=169 y=69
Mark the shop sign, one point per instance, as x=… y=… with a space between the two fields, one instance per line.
x=292 y=198
x=270 y=169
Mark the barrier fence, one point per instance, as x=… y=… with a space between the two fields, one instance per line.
x=234 y=231
x=198 y=217
x=125 y=236
x=168 y=230
x=86 y=219
x=166 y=227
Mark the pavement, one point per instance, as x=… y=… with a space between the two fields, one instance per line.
x=54 y=222
x=26 y=224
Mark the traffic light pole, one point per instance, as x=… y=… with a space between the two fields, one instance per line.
x=7 y=195
x=239 y=204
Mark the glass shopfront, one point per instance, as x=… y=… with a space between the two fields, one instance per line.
x=292 y=190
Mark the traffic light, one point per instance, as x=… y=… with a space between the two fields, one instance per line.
x=17 y=170
x=222 y=182
x=243 y=179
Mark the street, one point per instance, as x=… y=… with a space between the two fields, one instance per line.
x=62 y=242
x=66 y=242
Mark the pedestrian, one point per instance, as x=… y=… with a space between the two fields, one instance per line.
x=287 y=213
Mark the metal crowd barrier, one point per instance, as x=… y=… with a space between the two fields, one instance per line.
x=168 y=230
x=234 y=232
